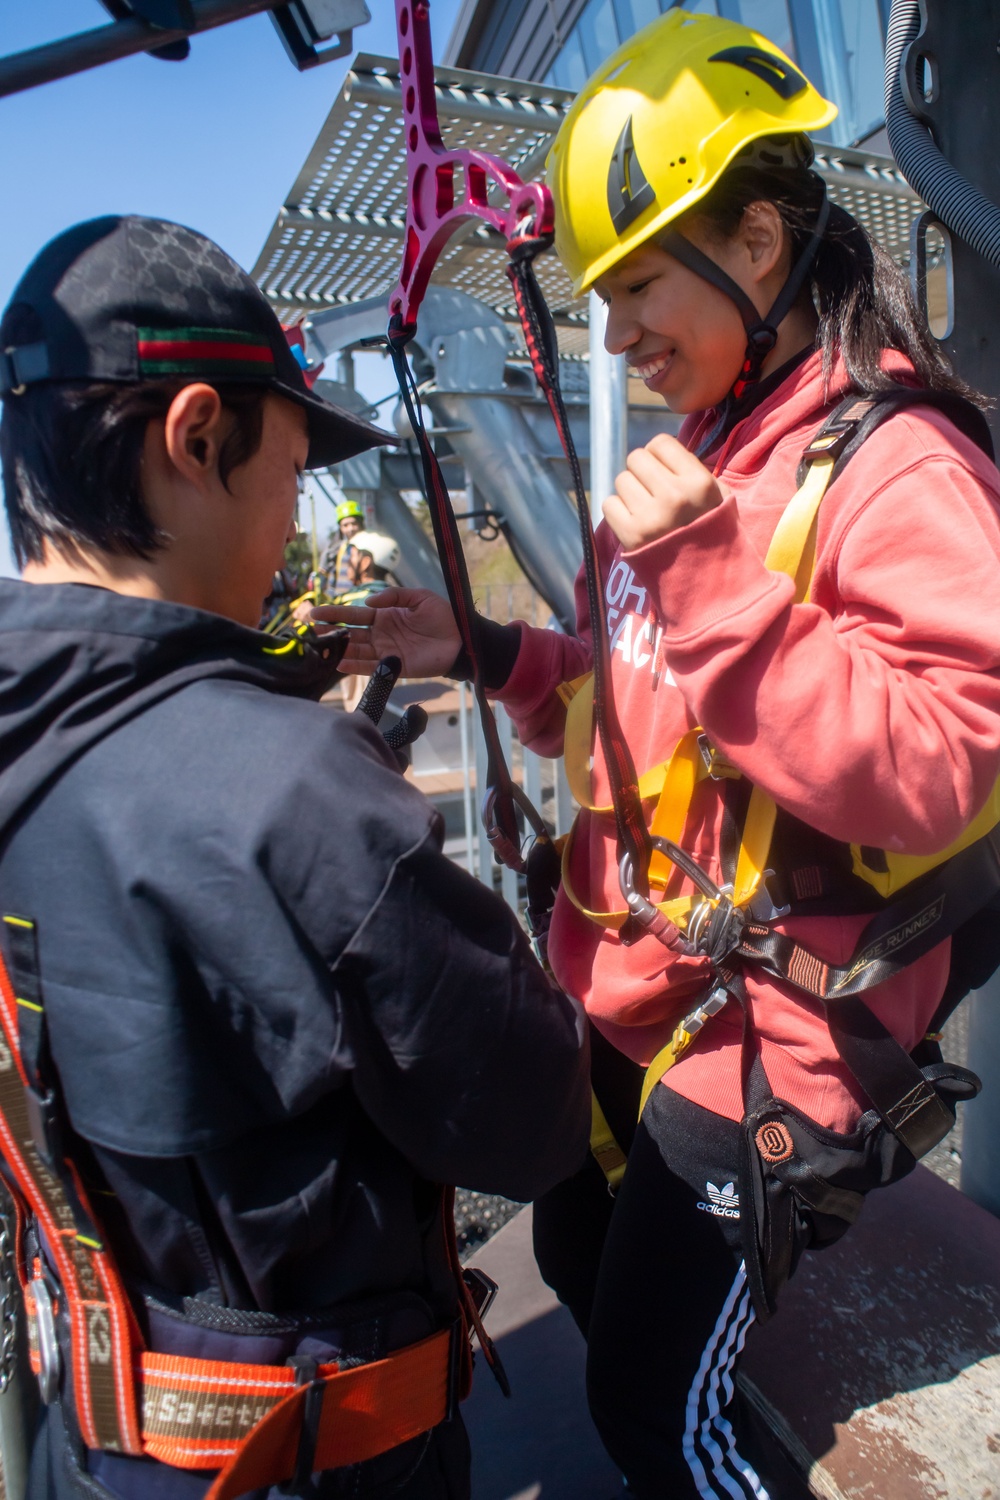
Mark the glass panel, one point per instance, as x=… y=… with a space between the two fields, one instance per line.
x=849 y=35
x=569 y=71
x=633 y=15
x=865 y=63
x=598 y=32
x=770 y=18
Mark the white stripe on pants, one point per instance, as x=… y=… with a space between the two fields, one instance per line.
x=709 y=1441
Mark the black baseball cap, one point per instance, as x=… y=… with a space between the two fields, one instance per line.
x=130 y=299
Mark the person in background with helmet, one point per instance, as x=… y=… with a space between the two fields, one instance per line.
x=249 y=1054
x=376 y=557
x=337 y=566
x=864 y=701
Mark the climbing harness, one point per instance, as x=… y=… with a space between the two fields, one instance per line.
x=804 y=1185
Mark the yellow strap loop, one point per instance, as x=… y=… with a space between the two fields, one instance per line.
x=577 y=741
x=675 y=911
x=605 y=1150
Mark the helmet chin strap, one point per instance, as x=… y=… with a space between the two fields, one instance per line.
x=762 y=332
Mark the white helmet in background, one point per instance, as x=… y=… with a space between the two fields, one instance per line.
x=383 y=550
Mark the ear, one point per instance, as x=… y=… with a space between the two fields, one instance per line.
x=194 y=431
x=764 y=236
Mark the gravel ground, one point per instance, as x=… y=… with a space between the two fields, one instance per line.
x=478 y=1216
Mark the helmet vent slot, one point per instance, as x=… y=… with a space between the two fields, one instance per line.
x=629 y=192
x=786 y=81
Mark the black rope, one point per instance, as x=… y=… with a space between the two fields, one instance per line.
x=502 y=794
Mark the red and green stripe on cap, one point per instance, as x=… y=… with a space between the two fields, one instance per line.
x=222 y=352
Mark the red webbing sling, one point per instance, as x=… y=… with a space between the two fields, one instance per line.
x=259 y=1424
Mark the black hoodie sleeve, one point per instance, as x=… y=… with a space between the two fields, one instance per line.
x=462 y=1052
x=268 y=919
x=464 y=1055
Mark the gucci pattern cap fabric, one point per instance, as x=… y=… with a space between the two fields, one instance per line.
x=133 y=299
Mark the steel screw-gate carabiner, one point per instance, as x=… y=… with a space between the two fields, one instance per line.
x=715 y=926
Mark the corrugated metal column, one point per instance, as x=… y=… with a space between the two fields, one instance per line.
x=608 y=411
x=963 y=111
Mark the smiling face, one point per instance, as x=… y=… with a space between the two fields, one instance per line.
x=680 y=334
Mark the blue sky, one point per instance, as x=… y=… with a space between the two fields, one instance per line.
x=214 y=142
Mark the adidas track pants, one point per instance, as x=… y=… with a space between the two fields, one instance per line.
x=655 y=1280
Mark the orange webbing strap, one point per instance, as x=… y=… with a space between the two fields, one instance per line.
x=198 y=1420
x=103 y=1334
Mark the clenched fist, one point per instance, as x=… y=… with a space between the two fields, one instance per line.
x=662 y=488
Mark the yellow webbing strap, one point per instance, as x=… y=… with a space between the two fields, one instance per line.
x=792 y=551
x=793 y=545
x=577 y=740
x=605 y=1150
x=664 y=1061
x=682 y=772
x=567 y=691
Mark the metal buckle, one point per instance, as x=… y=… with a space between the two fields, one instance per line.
x=482 y=1289
x=718 y=768
x=49 y=1359
x=761 y=907
x=716 y=1000
x=305 y=1368
x=7 y=386
x=44 y=1124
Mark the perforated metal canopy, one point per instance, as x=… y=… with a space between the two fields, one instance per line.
x=338 y=237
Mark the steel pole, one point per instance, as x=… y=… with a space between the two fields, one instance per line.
x=89 y=49
x=608 y=411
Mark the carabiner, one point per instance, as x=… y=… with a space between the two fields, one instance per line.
x=649 y=916
x=506 y=846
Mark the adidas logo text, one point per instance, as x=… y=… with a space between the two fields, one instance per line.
x=724 y=1202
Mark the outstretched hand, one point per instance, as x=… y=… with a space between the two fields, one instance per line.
x=414 y=624
x=662 y=488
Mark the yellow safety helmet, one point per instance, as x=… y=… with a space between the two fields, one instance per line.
x=656 y=126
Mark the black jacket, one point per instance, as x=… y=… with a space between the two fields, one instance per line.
x=277 y=1011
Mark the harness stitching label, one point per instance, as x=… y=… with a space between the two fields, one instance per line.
x=897 y=937
x=774 y=1141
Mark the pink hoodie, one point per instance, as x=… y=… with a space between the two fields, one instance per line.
x=872 y=713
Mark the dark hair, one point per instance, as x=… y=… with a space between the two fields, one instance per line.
x=72 y=461
x=863 y=300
